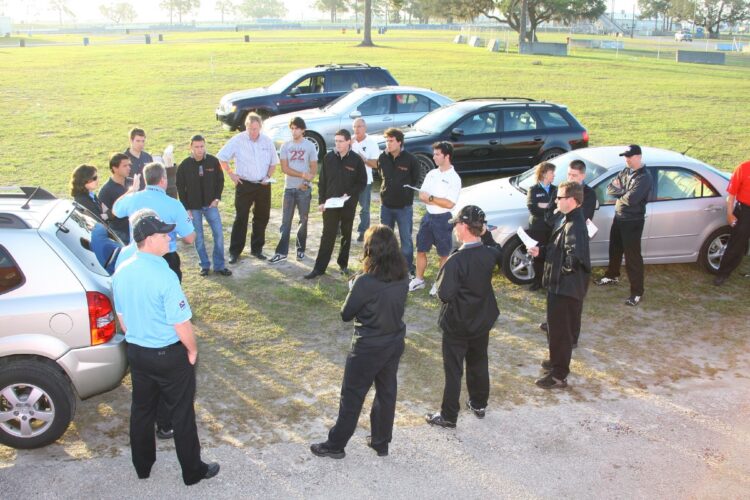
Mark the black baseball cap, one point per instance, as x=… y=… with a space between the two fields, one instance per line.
x=633 y=150
x=148 y=226
x=470 y=214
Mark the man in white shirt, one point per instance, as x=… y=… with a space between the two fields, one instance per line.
x=367 y=148
x=439 y=192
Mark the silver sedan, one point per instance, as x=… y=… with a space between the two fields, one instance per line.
x=381 y=108
x=685 y=216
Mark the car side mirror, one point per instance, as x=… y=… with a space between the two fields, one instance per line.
x=596 y=207
x=355 y=114
x=295 y=91
x=457 y=132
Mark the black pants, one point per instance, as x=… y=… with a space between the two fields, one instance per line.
x=164 y=373
x=173 y=259
x=332 y=218
x=625 y=237
x=363 y=368
x=563 y=321
x=258 y=197
x=542 y=236
x=737 y=244
x=474 y=351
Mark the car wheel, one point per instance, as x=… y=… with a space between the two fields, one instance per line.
x=713 y=249
x=320 y=144
x=36 y=404
x=517 y=264
x=425 y=165
x=548 y=155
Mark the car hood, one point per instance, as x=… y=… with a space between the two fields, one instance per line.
x=498 y=199
x=414 y=134
x=246 y=94
x=309 y=115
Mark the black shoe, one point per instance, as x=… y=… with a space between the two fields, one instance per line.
x=720 y=279
x=360 y=239
x=224 y=272
x=547 y=365
x=212 y=470
x=633 y=300
x=544 y=327
x=322 y=450
x=345 y=271
x=204 y=272
x=164 y=433
x=313 y=274
x=478 y=412
x=233 y=258
x=437 y=419
x=382 y=449
x=550 y=382
x=300 y=254
x=535 y=286
x=259 y=255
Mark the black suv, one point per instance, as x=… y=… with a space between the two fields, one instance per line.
x=507 y=134
x=300 y=89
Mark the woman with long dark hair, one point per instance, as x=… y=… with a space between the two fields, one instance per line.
x=376 y=302
x=83 y=184
x=539 y=198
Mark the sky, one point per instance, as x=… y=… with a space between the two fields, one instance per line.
x=149 y=11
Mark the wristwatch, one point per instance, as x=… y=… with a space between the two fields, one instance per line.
x=430 y=198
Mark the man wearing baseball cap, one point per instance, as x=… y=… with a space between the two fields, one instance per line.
x=162 y=350
x=632 y=188
x=469 y=309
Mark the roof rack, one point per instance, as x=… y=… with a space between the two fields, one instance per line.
x=343 y=65
x=498 y=99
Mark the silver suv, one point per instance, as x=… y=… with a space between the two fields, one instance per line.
x=58 y=335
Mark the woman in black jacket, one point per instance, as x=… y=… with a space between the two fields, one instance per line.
x=376 y=302
x=83 y=184
x=538 y=201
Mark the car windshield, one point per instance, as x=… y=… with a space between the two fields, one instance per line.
x=440 y=119
x=344 y=103
x=525 y=180
x=285 y=81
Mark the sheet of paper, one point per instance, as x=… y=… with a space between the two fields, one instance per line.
x=591 y=228
x=412 y=187
x=527 y=240
x=336 y=202
x=543 y=205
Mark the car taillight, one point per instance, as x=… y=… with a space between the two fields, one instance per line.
x=585 y=136
x=101 y=318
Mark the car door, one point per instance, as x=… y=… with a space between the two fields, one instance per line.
x=521 y=139
x=474 y=139
x=307 y=92
x=377 y=112
x=685 y=204
x=410 y=107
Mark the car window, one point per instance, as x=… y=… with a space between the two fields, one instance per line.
x=413 y=103
x=378 y=105
x=75 y=233
x=518 y=119
x=601 y=191
x=552 y=119
x=484 y=122
x=375 y=78
x=311 y=85
x=11 y=276
x=341 y=81
x=680 y=184
x=527 y=179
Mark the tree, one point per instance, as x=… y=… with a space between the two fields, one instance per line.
x=713 y=13
x=654 y=8
x=367 y=39
x=224 y=7
x=395 y=7
x=258 y=9
x=121 y=12
x=180 y=7
x=332 y=6
x=61 y=7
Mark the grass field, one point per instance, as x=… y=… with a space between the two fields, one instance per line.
x=274 y=345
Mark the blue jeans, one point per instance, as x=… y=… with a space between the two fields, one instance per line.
x=404 y=218
x=301 y=199
x=364 y=213
x=214 y=221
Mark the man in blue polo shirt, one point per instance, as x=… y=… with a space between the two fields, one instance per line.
x=162 y=351
x=170 y=210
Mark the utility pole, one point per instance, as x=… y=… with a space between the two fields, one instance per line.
x=632 y=26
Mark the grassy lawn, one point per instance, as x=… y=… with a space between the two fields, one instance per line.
x=272 y=345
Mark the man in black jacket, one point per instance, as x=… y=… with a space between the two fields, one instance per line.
x=343 y=173
x=632 y=188
x=200 y=182
x=567 y=270
x=469 y=309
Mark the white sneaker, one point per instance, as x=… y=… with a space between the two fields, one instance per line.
x=277 y=258
x=416 y=284
x=433 y=290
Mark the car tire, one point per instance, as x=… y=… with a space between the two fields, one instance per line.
x=517 y=264
x=320 y=144
x=548 y=155
x=713 y=248
x=54 y=401
x=425 y=165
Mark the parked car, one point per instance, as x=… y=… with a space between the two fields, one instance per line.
x=685 y=216
x=301 y=89
x=683 y=36
x=59 y=337
x=505 y=134
x=381 y=108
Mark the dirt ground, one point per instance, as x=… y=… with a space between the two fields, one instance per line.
x=658 y=405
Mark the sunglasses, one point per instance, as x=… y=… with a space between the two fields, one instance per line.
x=563 y=197
x=94 y=178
